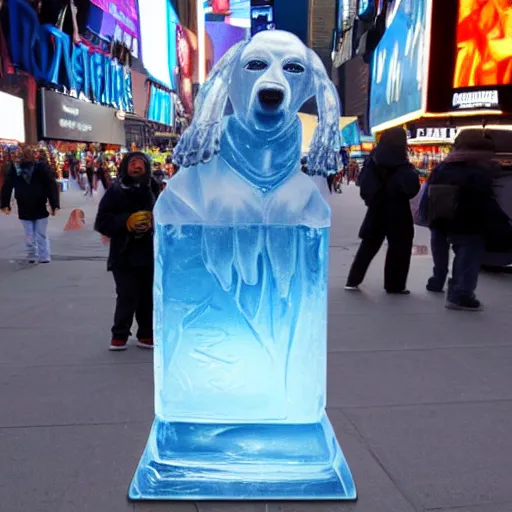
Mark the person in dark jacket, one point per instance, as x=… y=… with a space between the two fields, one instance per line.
x=459 y=203
x=125 y=217
x=34 y=187
x=387 y=183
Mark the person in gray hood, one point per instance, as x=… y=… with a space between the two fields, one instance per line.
x=388 y=181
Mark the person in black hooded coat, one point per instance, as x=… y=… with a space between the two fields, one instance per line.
x=125 y=217
x=388 y=181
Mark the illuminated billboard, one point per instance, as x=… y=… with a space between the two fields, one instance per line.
x=223 y=37
x=158 y=31
x=484 y=44
x=231 y=12
x=12 y=126
x=400 y=64
x=123 y=11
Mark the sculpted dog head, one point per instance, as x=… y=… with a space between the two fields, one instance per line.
x=267 y=80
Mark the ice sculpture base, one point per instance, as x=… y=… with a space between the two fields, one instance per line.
x=191 y=461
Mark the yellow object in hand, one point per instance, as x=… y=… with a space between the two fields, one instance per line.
x=139 y=221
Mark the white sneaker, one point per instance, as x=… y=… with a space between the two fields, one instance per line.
x=351 y=288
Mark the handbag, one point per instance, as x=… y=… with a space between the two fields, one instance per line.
x=417 y=214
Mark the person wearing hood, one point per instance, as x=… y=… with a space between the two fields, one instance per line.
x=388 y=181
x=125 y=217
x=34 y=187
x=461 y=212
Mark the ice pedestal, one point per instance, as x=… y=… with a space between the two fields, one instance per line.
x=240 y=368
x=198 y=461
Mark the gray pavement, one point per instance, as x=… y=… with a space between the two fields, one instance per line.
x=420 y=397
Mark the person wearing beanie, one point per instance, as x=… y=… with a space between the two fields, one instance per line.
x=125 y=217
x=457 y=203
x=388 y=181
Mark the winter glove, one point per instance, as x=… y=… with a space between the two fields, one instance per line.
x=140 y=221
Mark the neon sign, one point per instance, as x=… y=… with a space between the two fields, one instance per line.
x=50 y=57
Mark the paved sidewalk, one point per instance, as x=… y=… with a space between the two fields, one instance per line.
x=65 y=245
x=420 y=397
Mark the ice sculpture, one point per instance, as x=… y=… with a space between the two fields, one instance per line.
x=241 y=291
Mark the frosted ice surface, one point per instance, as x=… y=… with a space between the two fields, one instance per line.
x=241 y=241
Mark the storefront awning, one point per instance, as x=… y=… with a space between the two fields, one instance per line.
x=309 y=124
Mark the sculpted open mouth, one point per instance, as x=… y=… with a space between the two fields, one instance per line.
x=271 y=99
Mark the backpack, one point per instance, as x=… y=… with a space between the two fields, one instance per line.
x=443 y=202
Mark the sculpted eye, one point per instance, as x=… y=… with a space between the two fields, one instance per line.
x=256 y=65
x=293 y=67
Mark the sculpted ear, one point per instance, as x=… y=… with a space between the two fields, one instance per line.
x=326 y=142
x=201 y=141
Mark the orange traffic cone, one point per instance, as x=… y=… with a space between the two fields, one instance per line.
x=76 y=221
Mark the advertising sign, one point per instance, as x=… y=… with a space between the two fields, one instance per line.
x=123 y=11
x=50 y=57
x=484 y=44
x=12 y=120
x=232 y=12
x=400 y=64
x=186 y=68
x=65 y=118
x=161 y=108
x=158 y=26
x=483 y=61
x=262 y=18
x=432 y=134
x=482 y=99
x=223 y=37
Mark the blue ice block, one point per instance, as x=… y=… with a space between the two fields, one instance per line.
x=241 y=280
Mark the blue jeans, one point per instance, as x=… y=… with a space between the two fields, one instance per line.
x=469 y=250
x=440 y=247
x=36 y=239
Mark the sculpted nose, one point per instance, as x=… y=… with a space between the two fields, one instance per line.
x=271 y=98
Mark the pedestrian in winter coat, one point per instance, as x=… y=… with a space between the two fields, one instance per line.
x=388 y=181
x=461 y=211
x=34 y=187
x=125 y=217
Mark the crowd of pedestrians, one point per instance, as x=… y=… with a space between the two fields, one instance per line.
x=457 y=203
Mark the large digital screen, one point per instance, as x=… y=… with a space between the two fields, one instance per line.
x=231 y=12
x=363 y=7
x=484 y=44
x=12 y=124
x=123 y=11
x=400 y=63
x=158 y=26
x=262 y=18
x=109 y=27
x=223 y=37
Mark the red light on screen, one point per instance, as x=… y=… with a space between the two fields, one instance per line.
x=220 y=6
x=484 y=43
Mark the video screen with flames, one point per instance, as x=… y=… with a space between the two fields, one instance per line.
x=484 y=44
